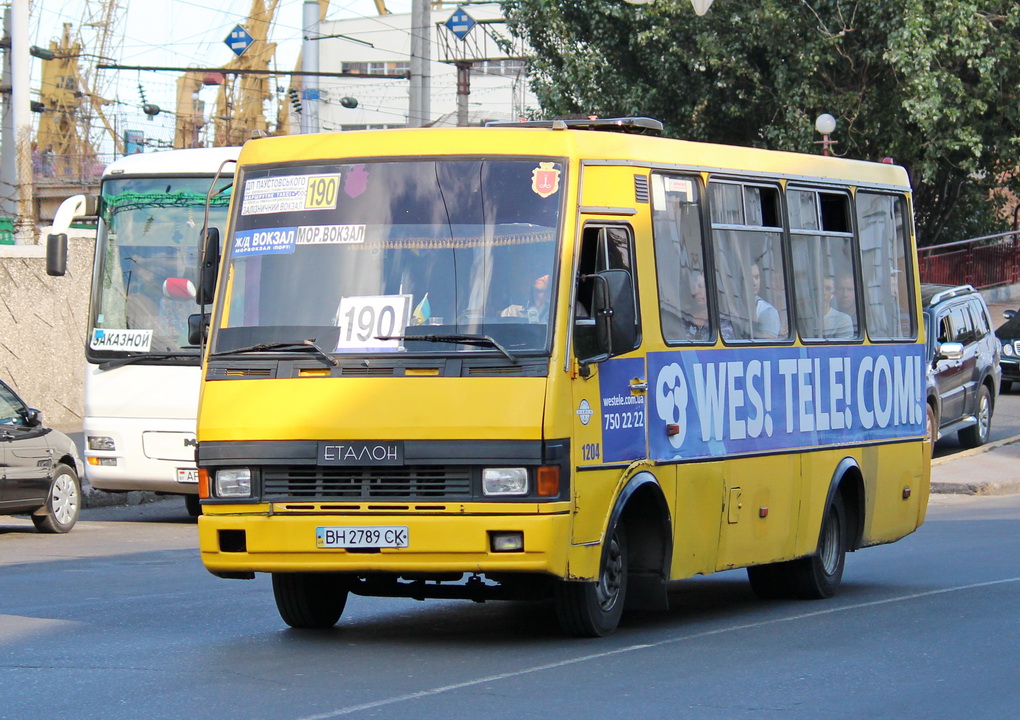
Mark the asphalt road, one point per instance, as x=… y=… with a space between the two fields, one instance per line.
x=118 y=619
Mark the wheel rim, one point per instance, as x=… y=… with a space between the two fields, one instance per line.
x=830 y=544
x=984 y=417
x=64 y=499
x=608 y=589
x=930 y=427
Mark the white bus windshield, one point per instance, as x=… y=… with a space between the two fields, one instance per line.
x=148 y=249
x=395 y=256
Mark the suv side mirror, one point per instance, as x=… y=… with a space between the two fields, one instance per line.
x=33 y=417
x=949 y=351
x=1009 y=314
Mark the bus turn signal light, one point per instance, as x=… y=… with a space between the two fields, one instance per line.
x=548 y=481
x=203 y=483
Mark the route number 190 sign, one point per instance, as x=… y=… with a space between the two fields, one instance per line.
x=362 y=319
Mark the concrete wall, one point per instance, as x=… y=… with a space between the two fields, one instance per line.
x=42 y=328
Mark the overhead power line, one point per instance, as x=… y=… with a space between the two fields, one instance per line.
x=223 y=71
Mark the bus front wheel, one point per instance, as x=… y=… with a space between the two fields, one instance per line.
x=310 y=600
x=594 y=609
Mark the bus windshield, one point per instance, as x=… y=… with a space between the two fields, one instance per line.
x=148 y=249
x=396 y=256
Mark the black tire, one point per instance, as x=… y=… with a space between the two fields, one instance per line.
x=193 y=505
x=1005 y=386
x=814 y=577
x=63 y=502
x=594 y=609
x=977 y=434
x=310 y=600
x=932 y=425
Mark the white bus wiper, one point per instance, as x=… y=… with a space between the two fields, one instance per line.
x=304 y=344
x=479 y=340
x=120 y=362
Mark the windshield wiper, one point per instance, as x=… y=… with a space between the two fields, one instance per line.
x=479 y=340
x=304 y=344
x=120 y=362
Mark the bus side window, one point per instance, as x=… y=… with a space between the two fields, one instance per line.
x=680 y=259
x=821 y=239
x=887 y=287
x=602 y=248
x=750 y=283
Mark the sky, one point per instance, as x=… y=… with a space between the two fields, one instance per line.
x=178 y=33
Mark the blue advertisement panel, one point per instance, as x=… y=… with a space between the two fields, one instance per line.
x=705 y=403
x=623 y=412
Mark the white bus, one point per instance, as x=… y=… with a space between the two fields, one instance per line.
x=142 y=375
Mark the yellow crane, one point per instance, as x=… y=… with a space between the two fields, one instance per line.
x=240 y=103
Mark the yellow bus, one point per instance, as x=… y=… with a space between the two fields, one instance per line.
x=564 y=360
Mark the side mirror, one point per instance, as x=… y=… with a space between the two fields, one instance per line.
x=1009 y=314
x=198 y=328
x=949 y=351
x=33 y=417
x=209 y=264
x=614 y=313
x=56 y=254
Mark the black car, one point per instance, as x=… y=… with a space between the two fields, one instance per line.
x=963 y=355
x=39 y=467
x=1009 y=337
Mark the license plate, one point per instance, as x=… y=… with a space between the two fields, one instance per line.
x=187 y=475
x=361 y=537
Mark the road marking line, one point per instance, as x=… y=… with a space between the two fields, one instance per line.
x=644 y=646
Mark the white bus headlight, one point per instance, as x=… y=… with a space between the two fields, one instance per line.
x=233 y=482
x=505 y=481
x=101 y=443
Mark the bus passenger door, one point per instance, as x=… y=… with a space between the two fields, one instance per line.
x=608 y=395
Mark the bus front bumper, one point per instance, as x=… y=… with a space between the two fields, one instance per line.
x=237 y=544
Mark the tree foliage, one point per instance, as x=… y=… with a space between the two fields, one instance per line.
x=931 y=83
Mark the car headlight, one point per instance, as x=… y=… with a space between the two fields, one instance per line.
x=233 y=482
x=505 y=481
x=1007 y=348
x=101 y=442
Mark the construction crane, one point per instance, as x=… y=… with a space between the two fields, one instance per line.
x=240 y=103
x=71 y=95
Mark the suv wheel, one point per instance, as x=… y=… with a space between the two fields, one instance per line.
x=977 y=434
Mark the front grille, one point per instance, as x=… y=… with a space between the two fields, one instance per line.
x=330 y=483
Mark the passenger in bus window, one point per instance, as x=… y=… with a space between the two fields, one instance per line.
x=696 y=323
x=537 y=309
x=766 y=316
x=835 y=324
x=846 y=298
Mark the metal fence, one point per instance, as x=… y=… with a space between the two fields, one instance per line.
x=983 y=262
x=57 y=168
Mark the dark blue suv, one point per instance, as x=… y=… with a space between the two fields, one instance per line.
x=963 y=355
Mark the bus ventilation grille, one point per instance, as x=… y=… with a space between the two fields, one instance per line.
x=329 y=483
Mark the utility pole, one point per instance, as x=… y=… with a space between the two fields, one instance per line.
x=310 y=64
x=17 y=137
x=420 y=91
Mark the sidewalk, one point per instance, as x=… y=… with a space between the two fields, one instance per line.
x=992 y=469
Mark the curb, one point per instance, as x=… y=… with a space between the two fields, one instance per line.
x=988 y=486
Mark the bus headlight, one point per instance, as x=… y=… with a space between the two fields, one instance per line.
x=99 y=442
x=505 y=481
x=233 y=482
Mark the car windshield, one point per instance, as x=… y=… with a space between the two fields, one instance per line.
x=148 y=241
x=427 y=256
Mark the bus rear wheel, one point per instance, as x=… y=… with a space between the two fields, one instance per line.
x=310 y=600
x=594 y=609
x=814 y=577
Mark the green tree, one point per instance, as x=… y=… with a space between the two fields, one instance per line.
x=931 y=83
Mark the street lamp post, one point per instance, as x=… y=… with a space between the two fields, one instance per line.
x=825 y=125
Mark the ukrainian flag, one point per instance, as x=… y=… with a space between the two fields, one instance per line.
x=422 y=312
